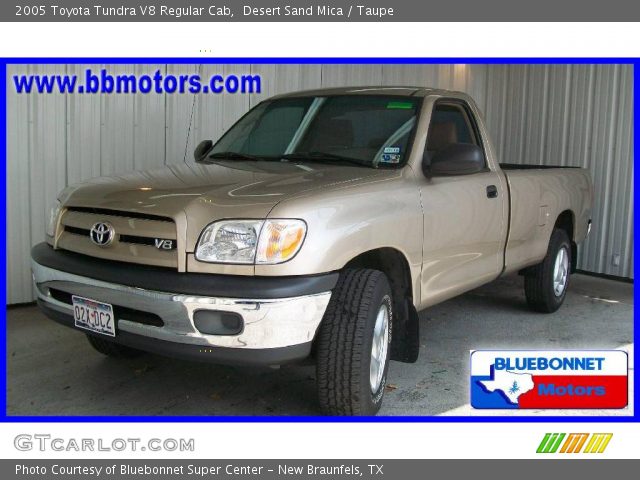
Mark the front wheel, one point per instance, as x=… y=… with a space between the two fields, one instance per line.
x=353 y=346
x=545 y=285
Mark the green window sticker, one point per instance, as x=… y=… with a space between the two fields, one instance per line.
x=400 y=105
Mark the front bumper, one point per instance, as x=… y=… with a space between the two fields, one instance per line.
x=276 y=330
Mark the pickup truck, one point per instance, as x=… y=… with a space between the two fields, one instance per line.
x=314 y=229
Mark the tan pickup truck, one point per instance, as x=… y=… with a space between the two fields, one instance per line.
x=315 y=228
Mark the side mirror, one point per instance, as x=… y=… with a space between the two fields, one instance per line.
x=456 y=159
x=202 y=149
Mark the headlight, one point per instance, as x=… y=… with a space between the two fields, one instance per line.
x=251 y=241
x=229 y=241
x=52 y=222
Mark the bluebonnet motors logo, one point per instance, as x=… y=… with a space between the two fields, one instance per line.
x=549 y=379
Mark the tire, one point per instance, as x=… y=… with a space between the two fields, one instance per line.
x=348 y=382
x=111 y=349
x=541 y=282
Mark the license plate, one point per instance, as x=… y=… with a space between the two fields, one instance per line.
x=95 y=316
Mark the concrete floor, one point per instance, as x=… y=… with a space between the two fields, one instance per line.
x=52 y=370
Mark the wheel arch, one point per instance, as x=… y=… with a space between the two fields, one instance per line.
x=566 y=221
x=393 y=263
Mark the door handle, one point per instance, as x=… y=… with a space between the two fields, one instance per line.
x=492 y=191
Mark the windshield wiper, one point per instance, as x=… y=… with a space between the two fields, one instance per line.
x=235 y=156
x=326 y=157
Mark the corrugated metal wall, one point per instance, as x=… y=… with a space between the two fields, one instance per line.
x=578 y=115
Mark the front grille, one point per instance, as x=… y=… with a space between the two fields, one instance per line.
x=152 y=242
x=119 y=213
x=139 y=237
x=121 y=313
x=135 y=239
x=76 y=230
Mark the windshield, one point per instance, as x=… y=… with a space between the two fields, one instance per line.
x=361 y=129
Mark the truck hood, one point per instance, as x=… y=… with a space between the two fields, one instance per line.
x=195 y=195
x=245 y=188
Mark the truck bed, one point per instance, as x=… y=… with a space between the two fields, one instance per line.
x=538 y=195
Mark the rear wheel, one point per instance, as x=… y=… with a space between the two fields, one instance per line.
x=545 y=285
x=353 y=346
x=111 y=349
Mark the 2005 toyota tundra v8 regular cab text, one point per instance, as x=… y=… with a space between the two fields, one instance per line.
x=316 y=227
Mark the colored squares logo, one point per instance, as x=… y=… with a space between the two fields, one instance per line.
x=574 y=443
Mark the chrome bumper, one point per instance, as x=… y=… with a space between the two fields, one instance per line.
x=272 y=323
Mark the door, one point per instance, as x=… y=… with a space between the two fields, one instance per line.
x=465 y=216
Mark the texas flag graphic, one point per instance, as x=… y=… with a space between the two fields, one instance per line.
x=549 y=379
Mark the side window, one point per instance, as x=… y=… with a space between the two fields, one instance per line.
x=450 y=124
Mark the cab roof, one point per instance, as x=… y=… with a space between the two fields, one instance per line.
x=401 y=91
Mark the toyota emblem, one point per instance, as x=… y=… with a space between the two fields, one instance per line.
x=102 y=234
